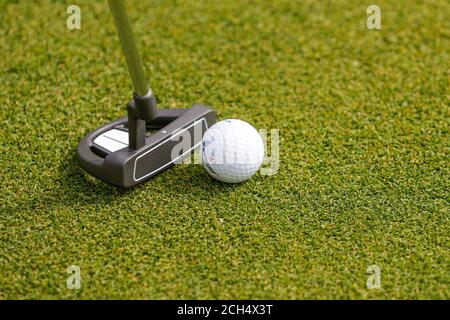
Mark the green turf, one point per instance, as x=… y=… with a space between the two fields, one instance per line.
x=364 y=173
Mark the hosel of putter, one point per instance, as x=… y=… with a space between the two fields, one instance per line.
x=140 y=110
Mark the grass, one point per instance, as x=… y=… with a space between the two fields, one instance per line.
x=364 y=152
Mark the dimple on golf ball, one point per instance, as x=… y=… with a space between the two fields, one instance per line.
x=232 y=151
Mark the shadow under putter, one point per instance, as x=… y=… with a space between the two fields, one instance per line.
x=122 y=153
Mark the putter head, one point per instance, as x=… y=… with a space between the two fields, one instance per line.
x=105 y=153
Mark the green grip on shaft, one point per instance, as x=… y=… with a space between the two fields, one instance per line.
x=129 y=48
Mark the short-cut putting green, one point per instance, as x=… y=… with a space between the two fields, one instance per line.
x=364 y=151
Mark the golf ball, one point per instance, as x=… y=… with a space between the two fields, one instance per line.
x=232 y=151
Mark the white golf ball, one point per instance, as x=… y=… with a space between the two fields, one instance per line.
x=232 y=151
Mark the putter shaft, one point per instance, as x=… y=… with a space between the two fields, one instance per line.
x=129 y=47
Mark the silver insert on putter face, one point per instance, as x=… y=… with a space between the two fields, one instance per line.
x=112 y=140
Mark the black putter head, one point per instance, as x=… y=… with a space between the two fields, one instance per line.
x=121 y=153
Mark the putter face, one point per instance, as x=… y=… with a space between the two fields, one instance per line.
x=172 y=148
x=105 y=154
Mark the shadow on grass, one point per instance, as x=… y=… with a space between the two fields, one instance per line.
x=73 y=187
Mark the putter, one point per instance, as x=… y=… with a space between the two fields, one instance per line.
x=123 y=153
